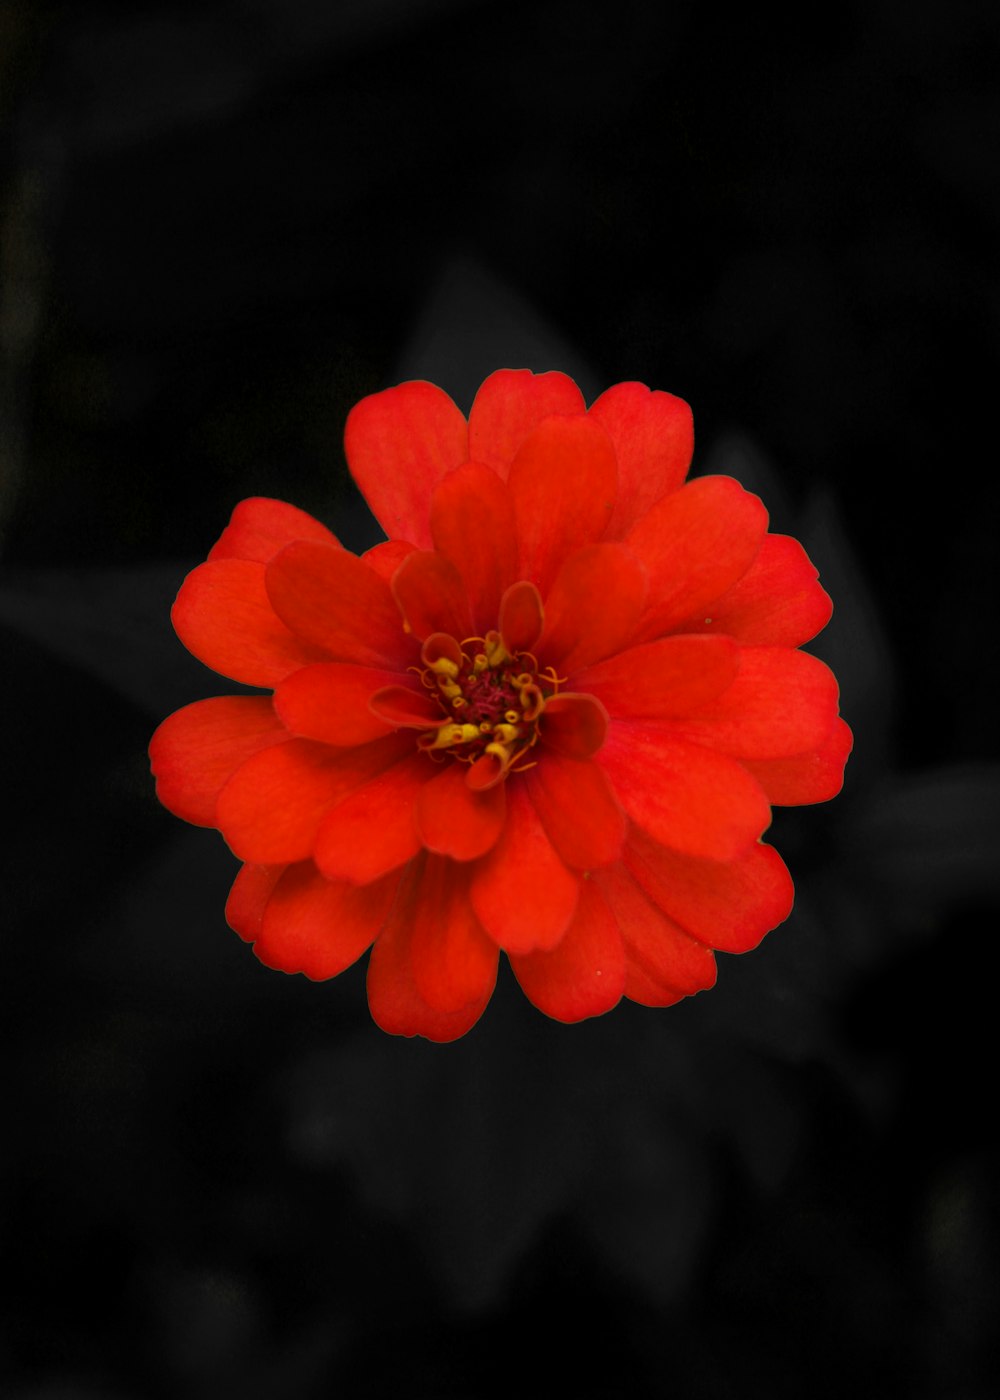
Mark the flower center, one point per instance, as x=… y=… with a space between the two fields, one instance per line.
x=491 y=699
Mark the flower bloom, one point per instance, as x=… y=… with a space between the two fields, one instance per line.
x=547 y=716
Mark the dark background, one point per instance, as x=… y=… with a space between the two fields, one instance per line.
x=222 y=225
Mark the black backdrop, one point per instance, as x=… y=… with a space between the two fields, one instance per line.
x=222 y=225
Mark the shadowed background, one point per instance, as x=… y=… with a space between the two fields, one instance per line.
x=222 y=225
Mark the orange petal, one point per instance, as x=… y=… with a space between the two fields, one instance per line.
x=727 y=905
x=331 y=599
x=563 y=482
x=810 y=777
x=584 y=975
x=695 y=544
x=574 y=725
x=320 y=927
x=662 y=680
x=252 y=888
x=579 y=810
x=224 y=617
x=329 y=702
x=399 y=444
x=260 y=527
x=430 y=594
x=453 y=820
x=196 y=750
x=666 y=954
x=373 y=830
x=510 y=404
x=593 y=607
x=689 y=798
x=522 y=892
x=454 y=963
x=472 y=522
x=653 y=437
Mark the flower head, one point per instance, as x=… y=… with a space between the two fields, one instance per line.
x=548 y=716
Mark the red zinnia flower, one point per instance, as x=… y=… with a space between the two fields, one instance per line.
x=549 y=715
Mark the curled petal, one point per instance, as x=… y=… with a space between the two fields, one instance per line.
x=574 y=725
x=670 y=958
x=332 y=600
x=252 y=888
x=472 y=523
x=196 y=750
x=593 y=607
x=509 y=405
x=667 y=679
x=373 y=830
x=260 y=527
x=695 y=544
x=318 y=926
x=224 y=617
x=809 y=777
x=399 y=444
x=584 y=975
x=430 y=594
x=330 y=702
x=728 y=905
x=454 y=820
x=653 y=437
x=521 y=891
x=563 y=482
x=404 y=708
x=521 y=617
x=687 y=797
x=579 y=810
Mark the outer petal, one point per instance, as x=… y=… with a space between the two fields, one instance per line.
x=663 y=680
x=333 y=600
x=579 y=810
x=395 y=1002
x=522 y=892
x=431 y=596
x=584 y=975
x=196 y=751
x=319 y=926
x=777 y=602
x=271 y=807
x=224 y=617
x=695 y=544
x=330 y=703
x=399 y=444
x=653 y=436
x=454 y=963
x=455 y=821
x=693 y=799
x=563 y=481
x=811 y=777
x=260 y=527
x=472 y=523
x=668 y=957
x=385 y=558
x=374 y=829
x=727 y=905
x=510 y=404
x=781 y=703
x=593 y=607
x=252 y=888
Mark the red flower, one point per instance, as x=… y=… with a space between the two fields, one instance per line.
x=549 y=715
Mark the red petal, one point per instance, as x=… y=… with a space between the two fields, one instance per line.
x=653 y=437
x=727 y=905
x=521 y=617
x=455 y=821
x=430 y=594
x=510 y=405
x=196 y=751
x=579 y=810
x=224 y=617
x=642 y=988
x=385 y=558
x=668 y=956
x=777 y=602
x=330 y=703
x=662 y=680
x=396 y=1004
x=270 y=809
x=811 y=777
x=584 y=975
x=781 y=703
x=374 y=829
x=404 y=708
x=248 y=898
x=593 y=607
x=522 y=892
x=574 y=725
x=692 y=799
x=695 y=544
x=454 y=963
x=319 y=926
x=472 y=522
x=332 y=600
x=260 y=527
x=563 y=481
x=399 y=444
